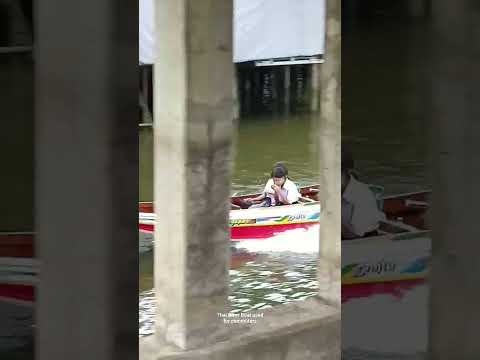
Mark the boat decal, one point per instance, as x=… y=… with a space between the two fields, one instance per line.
x=269 y=218
x=365 y=269
x=348 y=269
x=291 y=218
x=384 y=271
x=314 y=216
x=238 y=222
x=416 y=266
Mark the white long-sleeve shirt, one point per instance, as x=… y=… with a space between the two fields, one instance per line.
x=289 y=189
x=360 y=213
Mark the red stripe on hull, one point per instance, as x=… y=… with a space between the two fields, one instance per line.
x=262 y=232
x=146 y=227
x=395 y=288
x=16 y=245
x=249 y=232
x=17 y=292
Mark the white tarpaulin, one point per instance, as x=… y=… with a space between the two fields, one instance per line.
x=146 y=31
x=263 y=29
x=269 y=29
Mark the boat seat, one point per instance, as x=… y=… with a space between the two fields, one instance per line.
x=416 y=204
x=395 y=227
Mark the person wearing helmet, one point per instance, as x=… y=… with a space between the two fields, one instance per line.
x=279 y=190
x=360 y=214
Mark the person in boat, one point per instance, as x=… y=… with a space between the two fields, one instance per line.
x=279 y=190
x=360 y=214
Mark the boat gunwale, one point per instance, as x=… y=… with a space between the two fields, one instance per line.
x=408 y=194
x=384 y=197
x=253 y=194
x=410 y=235
x=19 y=233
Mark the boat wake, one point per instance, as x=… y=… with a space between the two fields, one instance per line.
x=301 y=241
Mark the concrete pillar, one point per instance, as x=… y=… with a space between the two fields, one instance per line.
x=257 y=89
x=244 y=79
x=274 y=83
x=329 y=274
x=144 y=95
x=248 y=94
x=314 y=87
x=455 y=295
x=286 y=86
x=86 y=179
x=194 y=111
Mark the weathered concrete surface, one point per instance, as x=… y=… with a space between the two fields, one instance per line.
x=86 y=180
x=193 y=134
x=286 y=88
x=315 y=87
x=455 y=175
x=329 y=142
x=307 y=330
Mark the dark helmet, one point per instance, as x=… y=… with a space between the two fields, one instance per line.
x=347 y=159
x=279 y=170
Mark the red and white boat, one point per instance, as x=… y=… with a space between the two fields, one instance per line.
x=18 y=268
x=258 y=223
x=397 y=258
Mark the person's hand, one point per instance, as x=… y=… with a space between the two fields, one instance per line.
x=275 y=187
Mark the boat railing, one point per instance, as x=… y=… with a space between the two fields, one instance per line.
x=396 y=227
x=416 y=204
x=305 y=199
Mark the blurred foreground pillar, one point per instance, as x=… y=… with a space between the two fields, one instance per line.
x=193 y=107
x=329 y=142
x=86 y=179
x=455 y=274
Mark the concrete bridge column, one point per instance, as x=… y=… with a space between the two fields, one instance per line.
x=329 y=142
x=314 y=87
x=194 y=112
x=86 y=179
x=286 y=88
x=455 y=175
